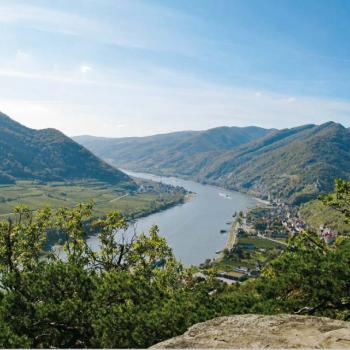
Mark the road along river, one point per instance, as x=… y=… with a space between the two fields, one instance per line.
x=193 y=228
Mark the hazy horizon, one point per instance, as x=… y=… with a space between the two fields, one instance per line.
x=215 y=127
x=179 y=131
x=136 y=68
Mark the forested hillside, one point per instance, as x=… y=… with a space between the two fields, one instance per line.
x=49 y=155
x=183 y=153
x=295 y=164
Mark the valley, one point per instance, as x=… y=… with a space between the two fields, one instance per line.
x=174 y=174
x=288 y=166
x=294 y=165
x=239 y=200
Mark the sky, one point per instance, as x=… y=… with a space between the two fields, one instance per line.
x=139 y=67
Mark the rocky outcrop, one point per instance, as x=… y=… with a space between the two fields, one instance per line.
x=258 y=331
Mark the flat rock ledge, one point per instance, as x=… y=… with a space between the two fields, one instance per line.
x=258 y=331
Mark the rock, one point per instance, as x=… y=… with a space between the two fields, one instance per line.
x=259 y=331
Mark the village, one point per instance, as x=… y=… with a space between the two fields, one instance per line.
x=256 y=237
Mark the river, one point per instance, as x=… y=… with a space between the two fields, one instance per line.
x=193 y=229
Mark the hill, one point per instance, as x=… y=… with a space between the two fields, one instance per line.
x=317 y=214
x=49 y=155
x=181 y=153
x=295 y=164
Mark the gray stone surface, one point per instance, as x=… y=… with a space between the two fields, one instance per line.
x=258 y=331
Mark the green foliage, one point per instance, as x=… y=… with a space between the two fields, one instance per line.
x=340 y=199
x=131 y=293
x=310 y=277
x=316 y=213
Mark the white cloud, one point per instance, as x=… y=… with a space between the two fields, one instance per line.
x=58 y=78
x=85 y=68
x=123 y=104
x=135 y=24
x=22 y=56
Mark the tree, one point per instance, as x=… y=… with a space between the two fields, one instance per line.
x=312 y=277
x=340 y=199
x=131 y=293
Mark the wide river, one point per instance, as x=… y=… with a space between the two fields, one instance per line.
x=193 y=229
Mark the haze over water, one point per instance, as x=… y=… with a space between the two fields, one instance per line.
x=193 y=229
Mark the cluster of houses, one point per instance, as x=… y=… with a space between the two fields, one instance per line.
x=285 y=214
x=289 y=223
x=327 y=234
x=238 y=274
x=294 y=225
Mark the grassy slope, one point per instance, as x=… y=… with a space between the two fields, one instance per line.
x=315 y=213
x=249 y=257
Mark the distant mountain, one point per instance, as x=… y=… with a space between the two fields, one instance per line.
x=49 y=155
x=181 y=153
x=295 y=164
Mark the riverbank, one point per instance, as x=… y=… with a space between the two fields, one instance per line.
x=231 y=239
x=246 y=250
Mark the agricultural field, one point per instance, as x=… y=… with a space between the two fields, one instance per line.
x=259 y=243
x=316 y=214
x=241 y=256
x=106 y=197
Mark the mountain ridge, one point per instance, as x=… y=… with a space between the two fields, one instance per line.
x=165 y=153
x=49 y=155
x=296 y=164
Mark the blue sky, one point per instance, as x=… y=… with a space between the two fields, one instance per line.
x=124 y=68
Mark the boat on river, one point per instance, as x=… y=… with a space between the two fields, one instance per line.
x=225 y=195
